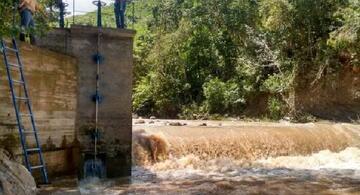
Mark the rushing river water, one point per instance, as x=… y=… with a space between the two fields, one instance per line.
x=239 y=159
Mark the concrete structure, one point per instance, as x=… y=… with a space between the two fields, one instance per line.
x=52 y=81
x=116 y=47
x=81 y=43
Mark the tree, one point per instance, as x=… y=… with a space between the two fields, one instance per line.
x=10 y=19
x=215 y=56
x=6 y=10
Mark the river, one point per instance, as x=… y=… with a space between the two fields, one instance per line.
x=236 y=158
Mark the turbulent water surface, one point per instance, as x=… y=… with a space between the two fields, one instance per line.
x=237 y=159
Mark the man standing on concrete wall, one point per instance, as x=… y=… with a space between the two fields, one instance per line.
x=27 y=8
x=120 y=8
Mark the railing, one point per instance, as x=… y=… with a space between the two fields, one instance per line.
x=68 y=12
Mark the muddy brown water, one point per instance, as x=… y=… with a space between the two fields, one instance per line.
x=237 y=158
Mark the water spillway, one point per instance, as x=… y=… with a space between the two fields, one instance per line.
x=239 y=158
x=243 y=141
x=246 y=158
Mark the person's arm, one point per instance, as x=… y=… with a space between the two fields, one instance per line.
x=23 y=2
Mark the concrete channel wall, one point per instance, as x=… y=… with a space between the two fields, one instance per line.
x=115 y=125
x=62 y=89
x=52 y=84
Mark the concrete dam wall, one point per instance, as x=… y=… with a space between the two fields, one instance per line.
x=52 y=82
x=62 y=81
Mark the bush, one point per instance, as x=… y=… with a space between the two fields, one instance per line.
x=214 y=92
x=221 y=97
x=193 y=112
x=277 y=83
x=142 y=98
x=275 y=107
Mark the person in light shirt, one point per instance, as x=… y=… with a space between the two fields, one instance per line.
x=27 y=9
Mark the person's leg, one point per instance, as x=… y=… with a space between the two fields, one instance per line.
x=62 y=14
x=26 y=22
x=117 y=10
x=123 y=10
x=32 y=26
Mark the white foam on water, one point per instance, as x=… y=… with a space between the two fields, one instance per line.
x=346 y=159
x=94 y=185
x=324 y=172
x=324 y=163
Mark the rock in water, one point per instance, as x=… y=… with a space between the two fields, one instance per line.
x=14 y=177
x=175 y=124
x=135 y=116
x=140 y=121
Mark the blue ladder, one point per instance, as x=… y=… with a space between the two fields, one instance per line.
x=24 y=132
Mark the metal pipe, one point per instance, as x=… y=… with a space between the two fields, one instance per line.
x=99 y=4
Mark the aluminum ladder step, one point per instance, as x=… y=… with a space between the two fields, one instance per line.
x=18 y=82
x=14 y=65
x=37 y=167
x=28 y=132
x=26 y=115
x=11 y=49
x=21 y=98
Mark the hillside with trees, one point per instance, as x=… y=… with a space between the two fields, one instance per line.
x=203 y=59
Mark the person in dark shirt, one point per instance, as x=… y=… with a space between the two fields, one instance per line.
x=120 y=8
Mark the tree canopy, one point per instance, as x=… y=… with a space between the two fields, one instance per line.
x=10 y=18
x=214 y=57
x=195 y=58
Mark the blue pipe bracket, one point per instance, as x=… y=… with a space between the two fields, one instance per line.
x=96 y=134
x=97 y=97
x=98 y=58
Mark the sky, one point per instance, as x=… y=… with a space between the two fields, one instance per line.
x=83 y=6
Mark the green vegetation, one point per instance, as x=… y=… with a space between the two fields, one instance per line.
x=43 y=19
x=197 y=58
x=5 y=22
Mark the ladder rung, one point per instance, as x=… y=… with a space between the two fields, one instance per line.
x=28 y=115
x=14 y=65
x=21 y=98
x=11 y=49
x=37 y=167
x=17 y=81
x=28 y=132
x=33 y=150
